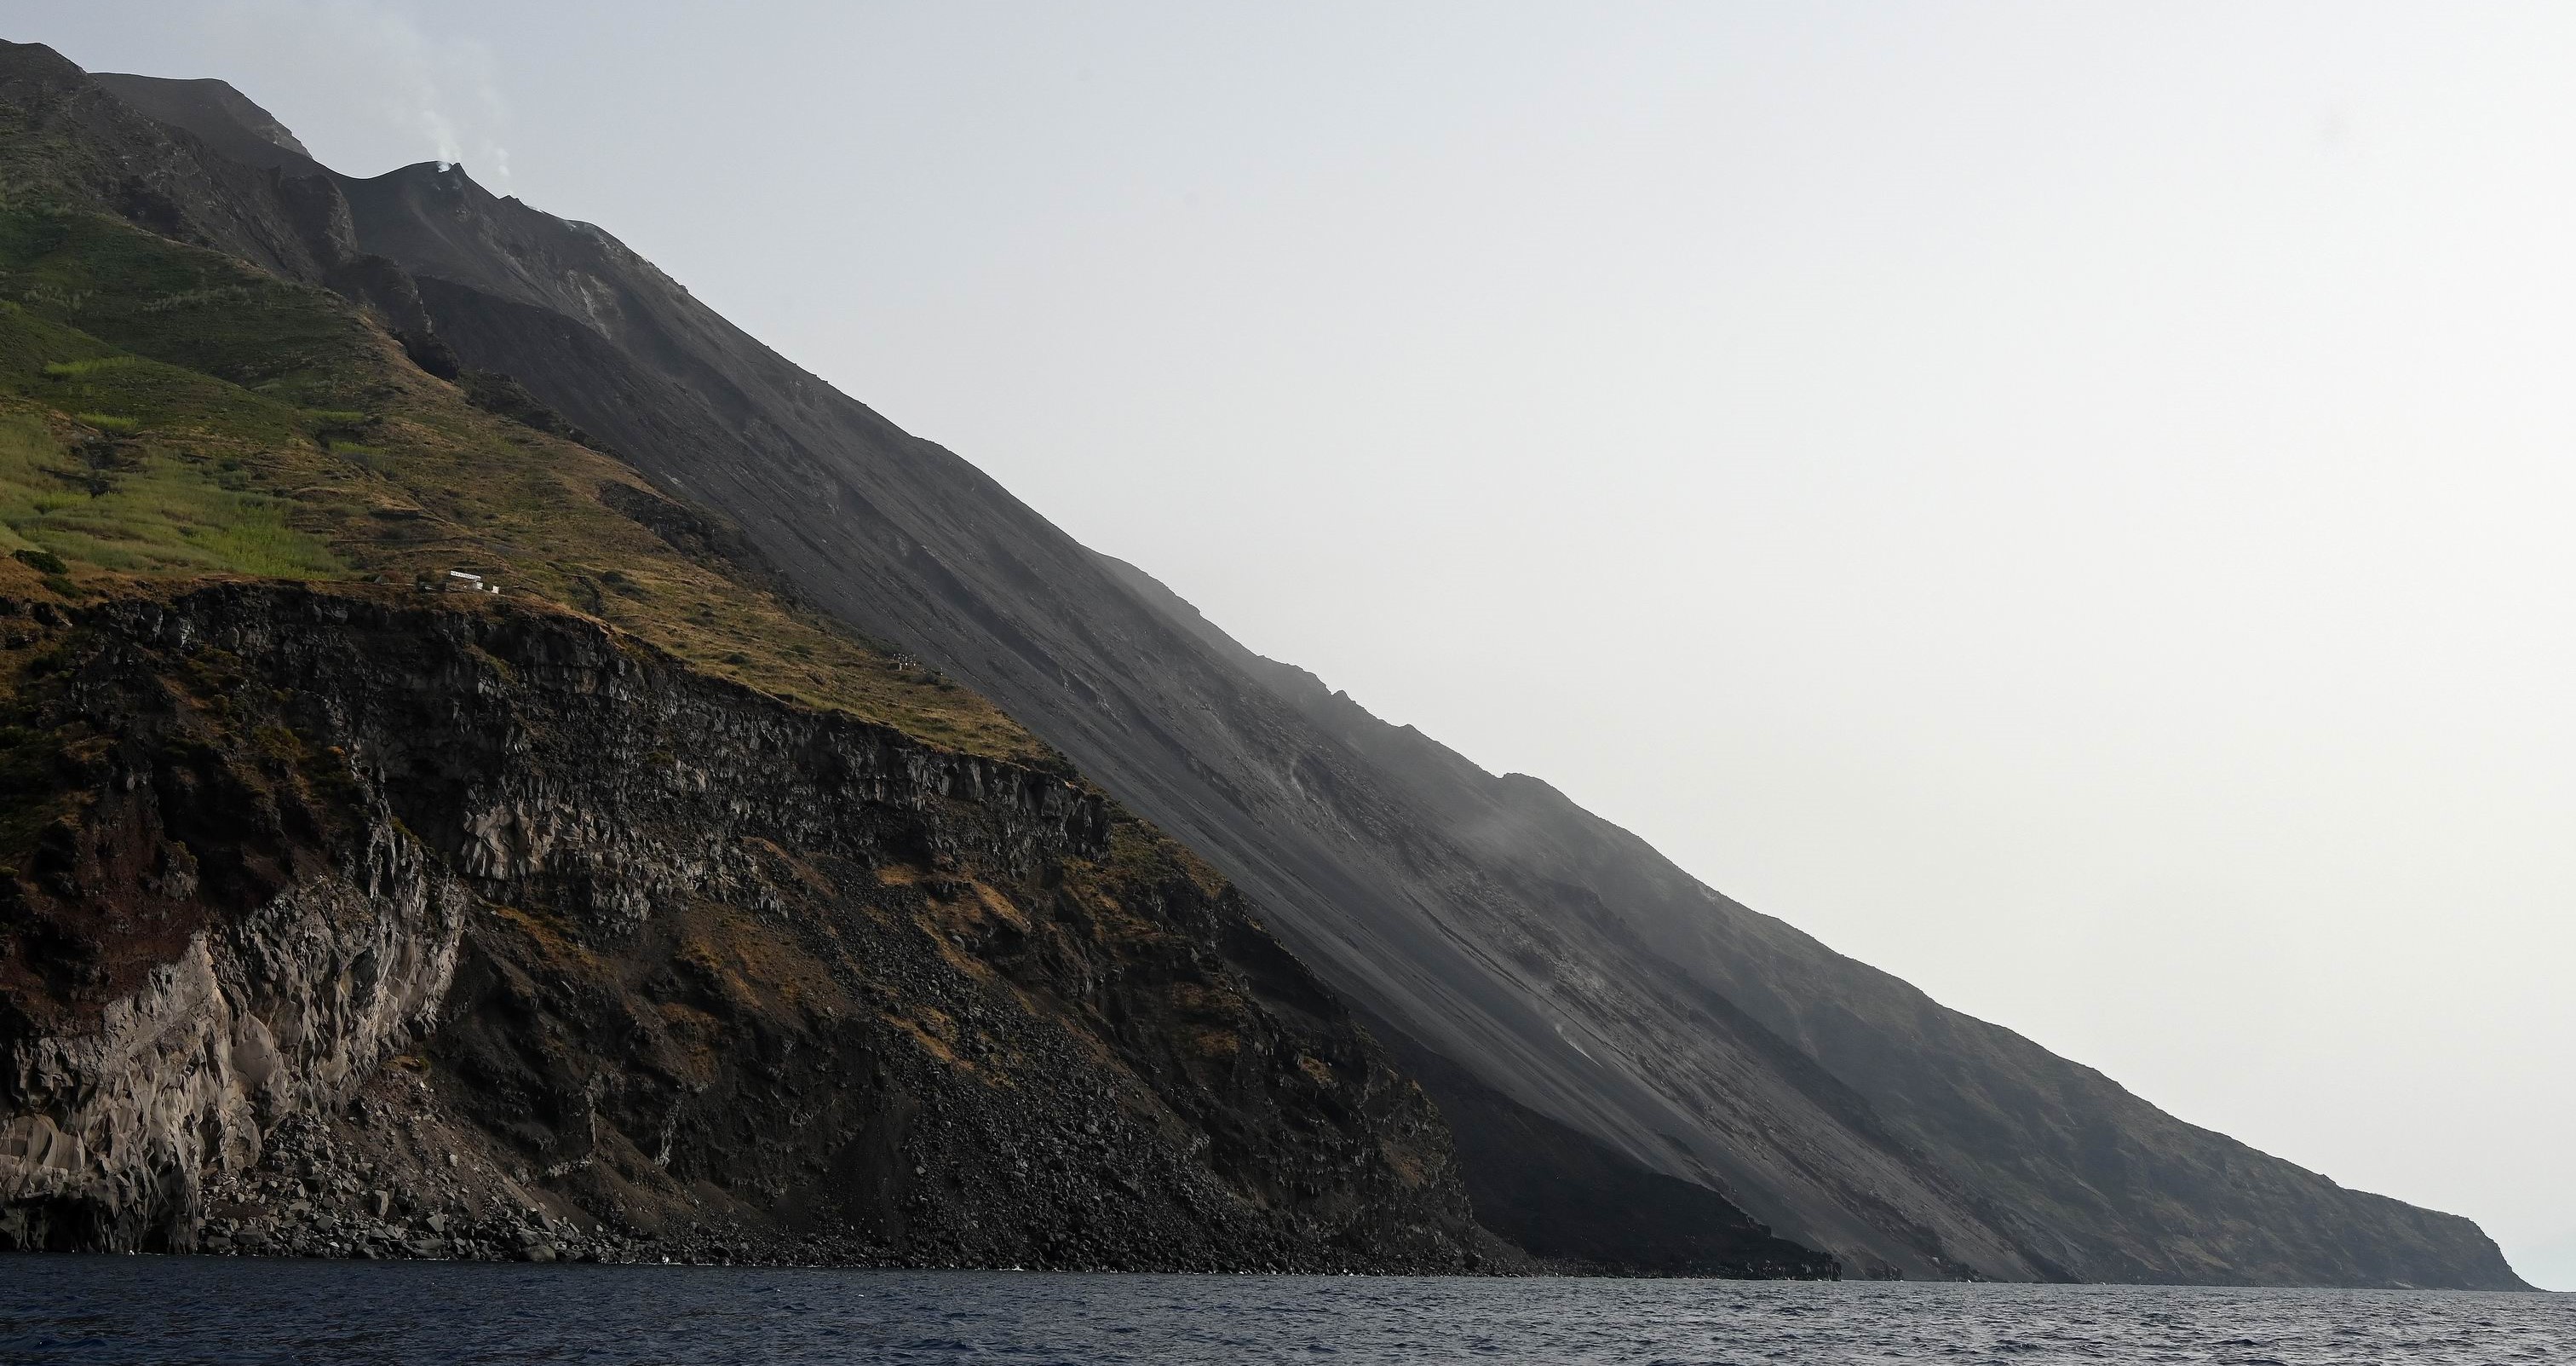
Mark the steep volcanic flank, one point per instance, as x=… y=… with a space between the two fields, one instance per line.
x=1556 y=960
x=1599 y=1026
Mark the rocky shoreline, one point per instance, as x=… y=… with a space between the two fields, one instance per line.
x=305 y=1202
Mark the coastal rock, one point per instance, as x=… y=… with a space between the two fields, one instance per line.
x=116 y=1120
x=585 y=954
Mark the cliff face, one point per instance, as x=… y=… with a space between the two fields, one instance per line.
x=117 y=1123
x=649 y=954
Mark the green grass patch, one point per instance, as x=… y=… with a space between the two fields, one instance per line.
x=74 y=373
x=82 y=369
x=189 y=308
x=192 y=298
x=148 y=513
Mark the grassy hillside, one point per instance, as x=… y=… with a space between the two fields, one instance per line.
x=167 y=412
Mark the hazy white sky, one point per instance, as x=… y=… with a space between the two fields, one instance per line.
x=2070 y=504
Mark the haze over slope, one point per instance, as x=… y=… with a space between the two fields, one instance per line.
x=1550 y=957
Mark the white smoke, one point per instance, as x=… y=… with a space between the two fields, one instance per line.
x=368 y=86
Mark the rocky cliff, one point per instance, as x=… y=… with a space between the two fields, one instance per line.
x=343 y=922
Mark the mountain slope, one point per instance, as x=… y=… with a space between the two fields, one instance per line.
x=633 y=910
x=1557 y=965
x=2055 y=1146
x=232 y=126
x=914 y=545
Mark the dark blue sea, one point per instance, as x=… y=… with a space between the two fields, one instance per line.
x=188 y=1309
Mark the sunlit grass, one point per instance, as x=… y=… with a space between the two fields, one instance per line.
x=154 y=514
x=238 y=424
x=95 y=365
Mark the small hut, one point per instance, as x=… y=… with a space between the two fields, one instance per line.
x=457 y=581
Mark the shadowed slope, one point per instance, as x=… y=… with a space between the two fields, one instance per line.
x=2088 y=1175
x=228 y=122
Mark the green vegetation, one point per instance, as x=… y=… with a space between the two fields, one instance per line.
x=167 y=413
x=83 y=369
x=139 y=511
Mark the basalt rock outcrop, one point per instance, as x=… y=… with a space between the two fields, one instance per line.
x=116 y=1124
x=369 y=924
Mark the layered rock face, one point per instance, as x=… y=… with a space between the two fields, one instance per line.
x=117 y=1124
x=469 y=914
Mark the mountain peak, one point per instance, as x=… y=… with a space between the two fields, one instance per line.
x=447 y=177
x=228 y=120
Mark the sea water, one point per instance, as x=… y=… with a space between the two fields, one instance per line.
x=192 y=1309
